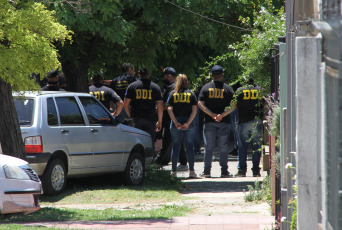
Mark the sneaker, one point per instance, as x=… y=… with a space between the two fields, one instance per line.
x=205 y=175
x=241 y=174
x=192 y=174
x=225 y=174
x=181 y=167
x=256 y=172
x=173 y=175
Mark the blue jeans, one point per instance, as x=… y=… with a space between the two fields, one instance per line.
x=177 y=136
x=197 y=141
x=233 y=125
x=250 y=133
x=211 y=132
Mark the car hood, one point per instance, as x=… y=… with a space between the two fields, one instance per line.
x=130 y=129
x=5 y=159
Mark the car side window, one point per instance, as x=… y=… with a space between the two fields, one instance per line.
x=51 y=112
x=69 y=112
x=96 y=114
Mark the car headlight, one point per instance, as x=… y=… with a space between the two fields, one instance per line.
x=15 y=172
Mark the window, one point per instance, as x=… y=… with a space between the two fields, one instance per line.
x=24 y=108
x=51 y=112
x=96 y=114
x=69 y=112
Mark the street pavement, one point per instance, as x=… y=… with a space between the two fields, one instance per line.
x=226 y=193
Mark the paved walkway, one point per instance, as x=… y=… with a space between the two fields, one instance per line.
x=224 y=222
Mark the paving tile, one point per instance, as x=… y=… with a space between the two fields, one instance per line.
x=232 y=227
x=250 y=227
x=215 y=226
x=197 y=227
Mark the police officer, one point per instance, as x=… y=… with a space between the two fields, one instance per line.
x=250 y=127
x=120 y=84
x=213 y=99
x=105 y=94
x=141 y=99
x=164 y=155
x=52 y=82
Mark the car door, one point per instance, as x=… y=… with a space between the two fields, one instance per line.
x=77 y=136
x=107 y=137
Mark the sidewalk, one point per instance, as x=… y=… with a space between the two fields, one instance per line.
x=224 y=206
x=225 y=222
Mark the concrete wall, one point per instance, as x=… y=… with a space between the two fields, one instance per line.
x=308 y=107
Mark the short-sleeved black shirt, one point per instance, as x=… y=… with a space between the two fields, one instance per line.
x=104 y=94
x=120 y=84
x=216 y=96
x=143 y=94
x=168 y=91
x=182 y=102
x=249 y=103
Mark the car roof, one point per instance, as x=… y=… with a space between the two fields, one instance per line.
x=38 y=93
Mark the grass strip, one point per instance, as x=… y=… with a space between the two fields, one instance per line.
x=63 y=214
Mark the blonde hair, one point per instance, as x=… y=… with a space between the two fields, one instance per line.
x=181 y=81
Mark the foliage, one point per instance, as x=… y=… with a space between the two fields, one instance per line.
x=154 y=33
x=253 y=52
x=27 y=34
x=260 y=191
x=273 y=117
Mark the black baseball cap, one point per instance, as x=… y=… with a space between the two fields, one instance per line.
x=217 y=69
x=169 y=70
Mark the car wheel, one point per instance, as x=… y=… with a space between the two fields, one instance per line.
x=135 y=170
x=54 y=177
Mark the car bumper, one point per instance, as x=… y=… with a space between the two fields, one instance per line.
x=19 y=196
x=38 y=161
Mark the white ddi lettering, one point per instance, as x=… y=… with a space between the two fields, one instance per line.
x=143 y=94
x=215 y=93
x=252 y=94
x=181 y=97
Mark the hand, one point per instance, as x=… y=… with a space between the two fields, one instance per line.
x=218 y=118
x=178 y=125
x=185 y=126
x=213 y=116
x=158 y=126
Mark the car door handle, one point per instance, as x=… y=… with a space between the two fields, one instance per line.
x=94 y=130
x=65 y=131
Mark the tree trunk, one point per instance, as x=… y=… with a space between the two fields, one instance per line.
x=10 y=134
x=76 y=72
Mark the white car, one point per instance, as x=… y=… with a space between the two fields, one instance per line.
x=20 y=186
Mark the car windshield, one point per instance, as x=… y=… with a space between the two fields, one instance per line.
x=24 y=109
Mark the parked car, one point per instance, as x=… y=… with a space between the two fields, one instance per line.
x=72 y=134
x=20 y=186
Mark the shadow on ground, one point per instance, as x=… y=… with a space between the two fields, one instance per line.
x=215 y=186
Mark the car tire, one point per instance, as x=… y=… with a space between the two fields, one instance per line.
x=135 y=170
x=54 y=177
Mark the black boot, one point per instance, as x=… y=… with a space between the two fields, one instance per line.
x=256 y=172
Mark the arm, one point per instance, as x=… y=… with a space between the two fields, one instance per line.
x=226 y=112
x=206 y=110
x=160 y=115
x=119 y=106
x=173 y=118
x=191 y=118
x=126 y=104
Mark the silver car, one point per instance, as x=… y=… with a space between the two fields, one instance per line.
x=72 y=134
